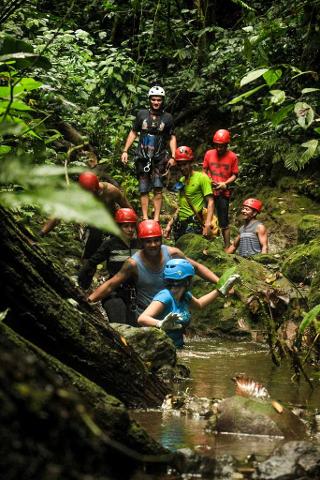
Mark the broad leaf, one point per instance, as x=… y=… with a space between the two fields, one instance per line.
x=25 y=60
x=277 y=96
x=309 y=318
x=272 y=76
x=253 y=75
x=278 y=117
x=245 y=95
x=311 y=150
x=304 y=113
x=310 y=90
x=11 y=44
x=71 y=204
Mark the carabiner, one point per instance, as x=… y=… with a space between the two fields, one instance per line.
x=147 y=168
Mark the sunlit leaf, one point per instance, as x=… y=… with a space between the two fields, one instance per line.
x=305 y=114
x=310 y=90
x=71 y=204
x=309 y=318
x=253 y=75
x=272 y=76
x=311 y=150
x=277 y=96
x=26 y=59
x=245 y=95
x=4 y=149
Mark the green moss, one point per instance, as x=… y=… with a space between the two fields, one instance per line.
x=302 y=262
x=309 y=228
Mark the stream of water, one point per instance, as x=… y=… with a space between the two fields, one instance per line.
x=213 y=363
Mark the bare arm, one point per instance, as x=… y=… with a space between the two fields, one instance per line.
x=120 y=198
x=130 y=139
x=202 y=302
x=127 y=270
x=210 y=210
x=173 y=148
x=149 y=318
x=168 y=228
x=234 y=245
x=263 y=238
x=200 y=269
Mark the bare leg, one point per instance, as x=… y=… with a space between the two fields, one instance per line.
x=144 y=201
x=157 y=202
x=226 y=236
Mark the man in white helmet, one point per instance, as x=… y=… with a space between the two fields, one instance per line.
x=156 y=131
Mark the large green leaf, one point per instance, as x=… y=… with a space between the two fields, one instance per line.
x=71 y=204
x=272 y=76
x=309 y=318
x=310 y=90
x=26 y=59
x=277 y=96
x=245 y=95
x=304 y=113
x=311 y=150
x=11 y=44
x=277 y=118
x=253 y=75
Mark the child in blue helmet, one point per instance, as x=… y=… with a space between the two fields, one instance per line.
x=170 y=308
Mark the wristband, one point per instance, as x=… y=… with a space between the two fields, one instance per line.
x=124 y=151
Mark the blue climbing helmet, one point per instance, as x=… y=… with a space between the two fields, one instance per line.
x=178 y=269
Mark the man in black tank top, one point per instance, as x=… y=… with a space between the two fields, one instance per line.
x=253 y=236
x=156 y=131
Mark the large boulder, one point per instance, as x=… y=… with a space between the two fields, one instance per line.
x=308 y=228
x=156 y=350
x=262 y=289
x=302 y=262
x=257 y=417
x=292 y=461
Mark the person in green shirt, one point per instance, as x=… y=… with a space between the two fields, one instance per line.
x=195 y=193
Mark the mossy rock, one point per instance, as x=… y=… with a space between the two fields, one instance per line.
x=153 y=345
x=309 y=228
x=257 y=417
x=246 y=310
x=302 y=262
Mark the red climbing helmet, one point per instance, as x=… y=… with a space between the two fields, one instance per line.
x=221 y=136
x=125 y=215
x=149 y=229
x=184 y=154
x=253 y=203
x=89 y=181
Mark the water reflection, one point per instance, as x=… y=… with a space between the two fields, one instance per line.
x=213 y=364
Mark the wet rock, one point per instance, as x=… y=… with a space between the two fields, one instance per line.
x=292 y=461
x=219 y=468
x=257 y=417
x=191 y=406
x=302 y=262
x=156 y=350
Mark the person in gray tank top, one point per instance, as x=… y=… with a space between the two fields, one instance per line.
x=253 y=236
x=146 y=267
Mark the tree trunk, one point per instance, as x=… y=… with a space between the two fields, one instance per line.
x=47 y=309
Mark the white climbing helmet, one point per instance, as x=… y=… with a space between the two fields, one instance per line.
x=156 y=91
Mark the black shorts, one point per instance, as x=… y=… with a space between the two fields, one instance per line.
x=221 y=205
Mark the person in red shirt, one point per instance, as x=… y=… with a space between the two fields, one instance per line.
x=221 y=165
